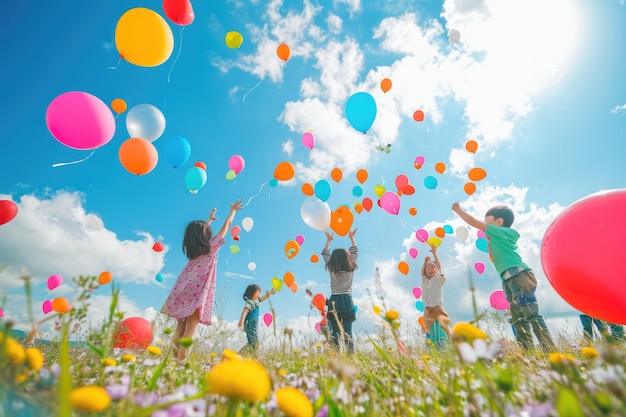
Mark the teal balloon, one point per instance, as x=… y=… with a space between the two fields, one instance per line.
x=448 y=229
x=273 y=182
x=419 y=305
x=177 y=151
x=481 y=243
x=357 y=191
x=195 y=178
x=322 y=190
x=361 y=111
x=430 y=182
x=356 y=308
x=159 y=277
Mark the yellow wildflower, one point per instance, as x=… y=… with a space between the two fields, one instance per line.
x=392 y=315
x=296 y=351
x=90 y=398
x=558 y=358
x=15 y=351
x=319 y=346
x=108 y=361
x=213 y=355
x=468 y=331
x=128 y=357
x=156 y=351
x=282 y=372
x=426 y=358
x=589 y=352
x=293 y=402
x=21 y=378
x=230 y=354
x=244 y=379
x=34 y=358
x=376 y=310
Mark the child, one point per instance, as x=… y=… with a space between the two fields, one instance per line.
x=617 y=330
x=191 y=299
x=432 y=286
x=250 y=314
x=518 y=280
x=341 y=265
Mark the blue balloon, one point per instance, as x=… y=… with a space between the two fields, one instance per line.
x=159 y=277
x=482 y=244
x=430 y=182
x=419 y=305
x=177 y=151
x=448 y=229
x=322 y=190
x=361 y=111
x=273 y=182
x=195 y=178
x=357 y=191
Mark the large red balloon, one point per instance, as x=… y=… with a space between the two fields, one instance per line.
x=133 y=333
x=8 y=211
x=179 y=11
x=583 y=254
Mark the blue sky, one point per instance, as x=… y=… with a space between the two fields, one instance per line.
x=540 y=87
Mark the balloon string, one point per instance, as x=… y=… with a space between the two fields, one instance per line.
x=180 y=48
x=118 y=63
x=252 y=89
x=250 y=199
x=60 y=164
x=404 y=225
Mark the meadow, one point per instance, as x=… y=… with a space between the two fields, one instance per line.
x=395 y=372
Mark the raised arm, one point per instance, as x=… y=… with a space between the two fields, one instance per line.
x=426 y=260
x=212 y=216
x=229 y=220
x=351 y=236
x=329 y=237
x=468 y=218
x=433 y=249
x=267 y=294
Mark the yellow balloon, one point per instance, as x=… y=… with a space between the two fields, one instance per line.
x=143 y=37
x=233 y=39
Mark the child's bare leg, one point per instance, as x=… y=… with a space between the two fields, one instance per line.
x=180 y=328
x=191 y=323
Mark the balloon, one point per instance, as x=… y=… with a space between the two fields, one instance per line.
x=379 y=190
x=481 y=234
x=61 y=305
x=385 y=85
x=318 y=328
x=314 y=258
x=251 y=266
x=267 y=319
x=118 y=105
x=54 y=281
x=234 y=231
x=421 y=235
x=143 y=37
x=80 y=120
x=277 y=284
x=308 y=140
x=471 y=146
x=133 y=333
x=361 y=175
x=233 y=39
x=430 y=182
x=420 y=321
x=8 y=211
x=476 y=174
x=284 y=171
x=234 y=249
x=315 y=213
x=291 y=249
x=236 y=163
x=283 y=51
x=336 y=174
x=230 y=175
x=454 y=36
x=179 y=12
x=482 y=244
x=294 y=287
x=200 y=164
x=247 y=223
x=341 y=220
x=497 y=300
x=419 y=161
x=440 y=167
x=413 y=253
x=479 y=267
x=300 y=239
x=435 y=241
x=439 y=232
x=401 y=181
x=361 y=111
x=273 y=182
x=357 y=191
x=367 y=204
x=582 y=255
x=462 y=233
x=390 y=202
x=177 y=151
x=138 y=156
x=448 y=229
x=307 y=189
x=469 y=188
x=46 y=307
x=412 y=211
x=319 y=301
x=419 y=305
x=417 y=292
x=288 y=278
x=403 y=267
x=145 y=121
x=322 y=190
x=158 y=277
x=105 y=277
x=195 y=178
x=408 y=189
x=418 y=116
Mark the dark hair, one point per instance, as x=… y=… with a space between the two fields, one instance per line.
x=340 y=261
x=197 y=239
x=502 y=212
x=252 y=288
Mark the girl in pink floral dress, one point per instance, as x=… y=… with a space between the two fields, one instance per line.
x=191 y=299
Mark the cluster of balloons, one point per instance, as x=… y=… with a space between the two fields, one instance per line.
x=236 y=163
x=288 y=280
x=59 y=304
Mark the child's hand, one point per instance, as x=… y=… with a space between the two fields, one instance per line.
x=241 y=326
x=427 y=259
x=456 y=207
x=352 y=233
x=237 y=205
x=329 y=236
x=433 y=248
x=212 y=214
x=309 y=292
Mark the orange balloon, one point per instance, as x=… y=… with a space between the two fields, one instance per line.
x=476 y=174
x=440 y=167
x=358 y=207
x=294 y=287
x=361 y=175
x=408 y=189
x=418 y=116
x=412 y=211
x=200 y=164
x=283 y=51
x=61 y=305
x=336 y=174
x=439 y=232
x=341 y=220
x=420 y=321
x=319 y=301
x=471 y=146
x=314 y=258
x=138 y=156
x=105 y=277
x=288 y=279
x=367 y=203
x=385 y=85
x=307 y=189
x=469 y=188
x=292 y=248
x=403 y=267
x=284 y=171
x=119 y=106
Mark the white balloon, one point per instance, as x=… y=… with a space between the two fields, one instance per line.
x=251 y=266
x=462 y=233
x=145 y=121
x=247 y=224
x=454 y=36
x=315 y=213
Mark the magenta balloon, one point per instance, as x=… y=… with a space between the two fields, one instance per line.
x=54 y=281
x=421 y=235
x=318 y=327
x=390 y=202
x=300 y=239
x=479 y=267
x=267 y=319
x=46 y=307
x=236 y=163
x=417 y=292
x=413 y=252
x=498 y=300
x=80 y=120
x=308 y=140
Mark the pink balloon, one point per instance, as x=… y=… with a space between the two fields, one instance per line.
x=267 y=319
x=417 y=292
x=80 y=120
x=46 y=306
x=300 y=239
x=420 y=160
x=390 y=202
x=479 y=267
x=498 y=300
x=1 y=313
x=318 y=327
x=413 y=252
x=236 y=163
x=402 y=181
x=54 y=281
x=421 y=235
x=481 y=234
x=308 y=140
